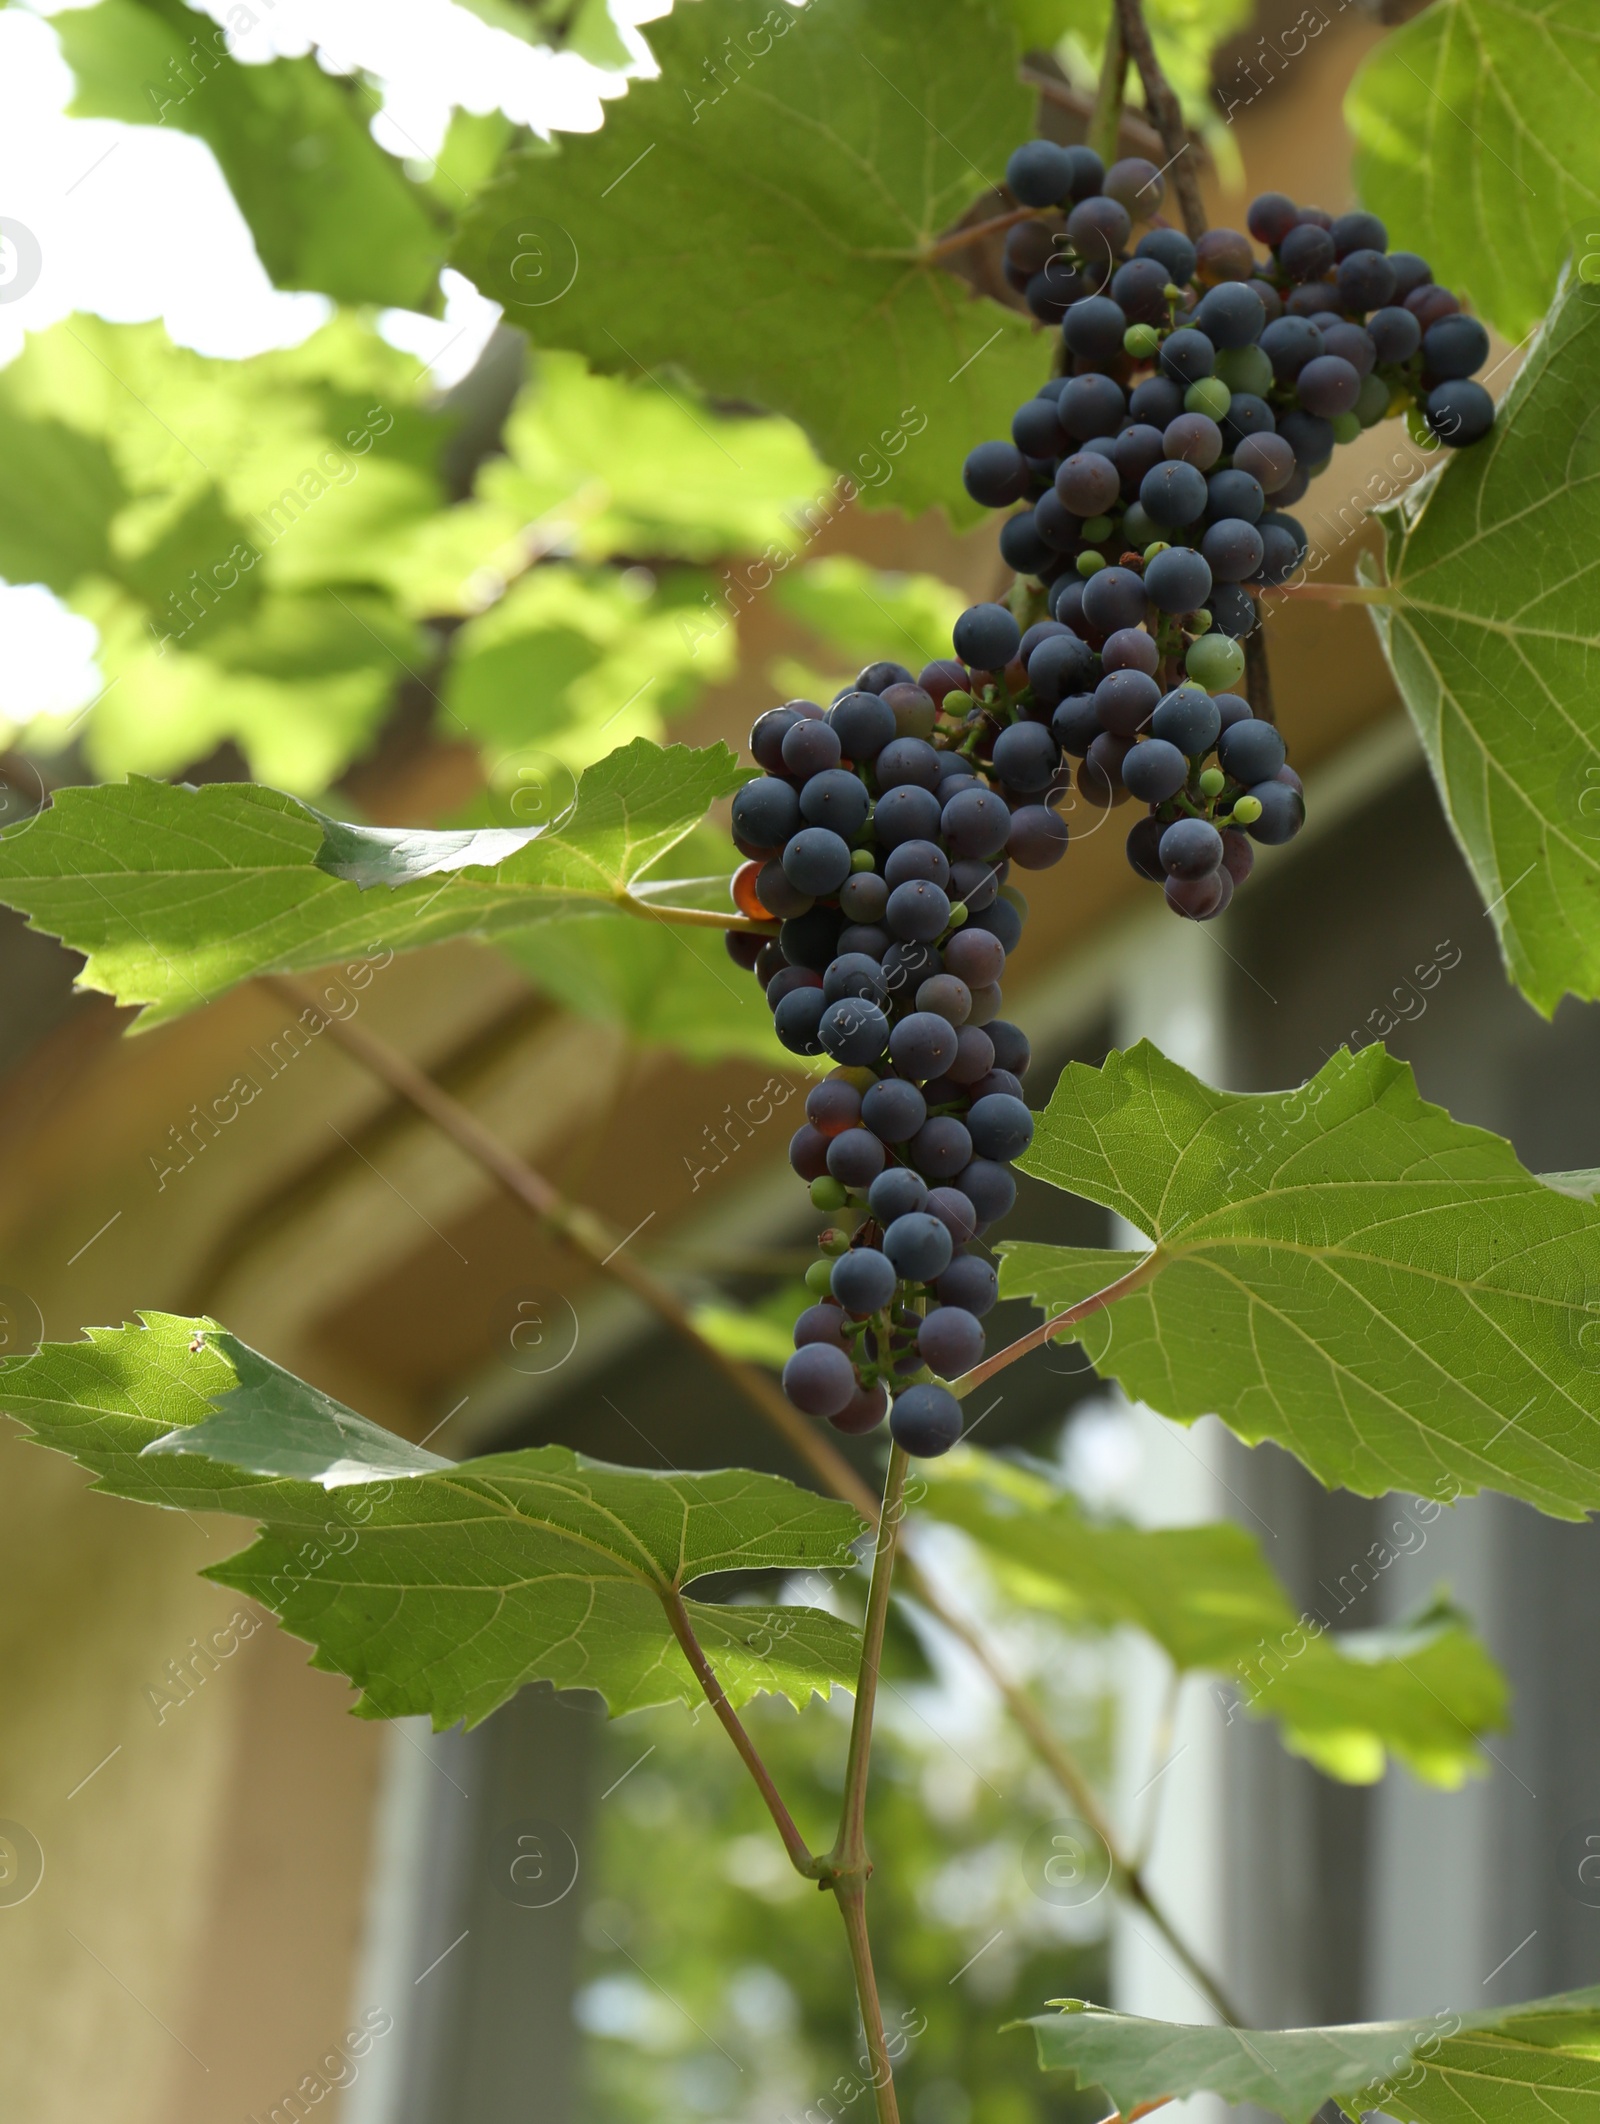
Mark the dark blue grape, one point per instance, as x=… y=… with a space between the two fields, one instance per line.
x=820 y=1323
x=1058 y=667
x=1076 y=725
x=1395 y=333
x=1231 y=315
x=969 y=1282
x=1040 y=174
x=1038 y=837
x=1088 y=172
x=1233 y=493
x=1250 y=751
x=1354 y=344
x=816 y=860
x=810 y=747
x=1154 y=771
x=1460 y=412
x=852 y=1031
x=975 y=822
x=863 y=896
x=1037 y=431
x=918 y=911
x=1091 y=405
x=865 y=724
x=1054 y=289
x=835 y=799
x=767 y=734
x=1026 y=756
x=1189 y=719
x=924 y=1421
x=1000 y=920
x=1094 y=328
x=905 y=814
x=1188 y=355
x=766 y=811
x=777 y=895
x=1156 y=402
x=906 y=759
x=879 y=677
x=1173 y=249
x=1010 y=1044
x=988 y=1185
x=1023 y=547
x=1233 y=610
x=923 y=1046
x=894 y=1110
x=1234 y=549
x=1309 y=436
x=1281 y=520
x=867 y=939
x=1190 y=848
x=941 y=1147
x=1247 y=415
x=1231 y=707
x=1177 y=580
x=1171 y=494
x=1328 y=386
x=1124 y=702
x=1410 y=273
x=907 y=965
x=996 y=473
x=797 y=1018
x=1365 y=280
x=811 y=939
x=917 y=859
x=1115 y=597
x=855 y=1157
x=918 y=1246
x=1453 y=348
x=855 y=974
x=986 y=637
x=1098 y=230
x=1055 y=523
x=1088 y=483
x=863 y=1280
x=1272 y=215
x=787 y=979
x=1193 y=439
x=898 y=1191
x=1143 y=849
x=1000 y=1127
x=1358 y=232
x=819 y=1379
x=1289 y=345
x=950 y=1341
x=1134 y=451
x=1306 y=253
x=1283 y=813
x=1139 y=290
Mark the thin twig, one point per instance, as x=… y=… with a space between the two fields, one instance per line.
x=1165 y=109
x=1036 y=1338
x=696 y=917
x=1138 y=137
x=1105 y=121
x=974 y=232
x=705 y=1674
x=589 y=1236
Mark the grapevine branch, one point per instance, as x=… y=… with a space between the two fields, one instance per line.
x=589 y=1237
x=1167 y=113
x=1105 y=121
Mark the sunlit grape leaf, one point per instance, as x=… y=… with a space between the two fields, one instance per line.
x=436 y=1588
x=760 y=217
x=1343 y=1269
x=632 y=465
x=1478 y=142
x=762 y=1333
x=666 y=985
x=327 y=207
x=581 y=26
x=174 y=894
x=1511 y=2066
x=1424 y=1691
x=59 y=492
x=1493 y=631
x=872 y=613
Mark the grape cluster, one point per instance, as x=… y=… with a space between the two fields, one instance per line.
x=881 y=837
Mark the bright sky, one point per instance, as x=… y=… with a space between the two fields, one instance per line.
x=135 y=222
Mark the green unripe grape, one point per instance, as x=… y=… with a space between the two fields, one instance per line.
x=1247 y=811
x=1141 y=341
x=1200 y=622
x=1172 y=292
x=1215 y=662
x=863 y=859
x=1245 y=369
x=1346 y=427
x=1090 y=564
x=1137 y=528
x=819 y=1278
x=1157 y=545
x=958 y=703
x=827 y=1194
x=1017 y=899
x=1096 y=529
x=1213 y=782
x=1210 y=396
x=1373 y=403
x=834 y=1242
x=958 y=914
x=1419 y=431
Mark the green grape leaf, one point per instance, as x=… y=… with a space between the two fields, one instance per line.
x=1510 y=2066
x=581 y=26
x=434 y=1587
x=760 y=218
x=1477 y=130
x=1423 y=1691
x=1492 y=628
x=327 y=207
x=1343 y=1269
x=867 y=613
x=175 y=894
x=59 y=493
x=665 y=984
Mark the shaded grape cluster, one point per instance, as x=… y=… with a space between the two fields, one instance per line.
x=881 y=837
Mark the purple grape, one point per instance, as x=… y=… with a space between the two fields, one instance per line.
x=767 y=734
x=1289 y=345
x=1091 y=405
x=1026 y=756
x=1188 y=718
x=1137 y=184
x=1098 y=229
x=1023 y=546
x=946 y=995
x=1114 y=598
x=810 y=747
x=854 y=973
x=1172 y=495
x=820 y=1323
x=1143 y=849
x=897 y=1191
x=835 y=798
x=918 y=1246
x=864 y=722
x=1453 y=348
x=1365 y=280
x=1154 y=771
x=1124 y=702
x=914 y=860
x=1037 y=431
x=797 y=1018
x=1088 y=484
x=995 y=474
x=1038 y=837
x=894 y=1110
x=986 y=1183
x=1139 y=290
x=855 y=1158
x=1459 y=412
x=1283 y=813
x=1246 y=415
x=1011 y=1049
x=975 y=822
x=863 y=895
x=1188 y=355
x=879 y=677
x=863 y=1412
x=1395 y=334
x=766 y=811
x=1192 y=439
x=1178 y=580
x=904 y=760
x=969 y=1282
x=974 y=1049
x=1410 y=273
x=1271 y=217
x=943 y=1145
x=953 y=1208
x=925 y=1421
x=1076 y=724
x=1231 y=315
x=1233 y=549
x=1308 y=435
x=819 y=1379
x=1156 y=402
x=816 y=861
x=1328 y=386
x=1306 y=253
x=1199 y=898
x=922 y=1045
x=950 y=1341
x=1174 y=251
x=1094 y=327
x=905 y=814
x=1190 y=848
x=1058 y=667
x=1131 y=649
x=850 y=1030
x=976 y=956
x=1250 y=751
x=1040 y=174
x=986 y=637
x=863 y=1280
x=1352 y=344
x=1268 y=459
x=1358 y=232
x=781 y=899
x=999 y=1127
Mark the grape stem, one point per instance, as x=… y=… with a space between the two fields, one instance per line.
x=592 y=1239
x=1133 y=132
x=1105 y=121
x=695 y=917
x=1141 y=1273
x=958 y=239
x=1167 y=112
x=1336 y=593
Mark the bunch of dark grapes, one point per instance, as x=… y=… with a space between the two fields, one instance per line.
x=1204 y=388
x=881 y=837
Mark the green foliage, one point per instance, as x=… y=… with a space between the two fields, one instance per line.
x=1517 y=2064
x=1494 y=637
x=762 y=1333
x=327 y=207
x=438 y=1588
x=174 y=894
x=581 y=26
x=1207 y=1596
x=1478 y=142
x=1186 y=33
x=866 y=613
x=1343 y=1269
x=759 y=218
